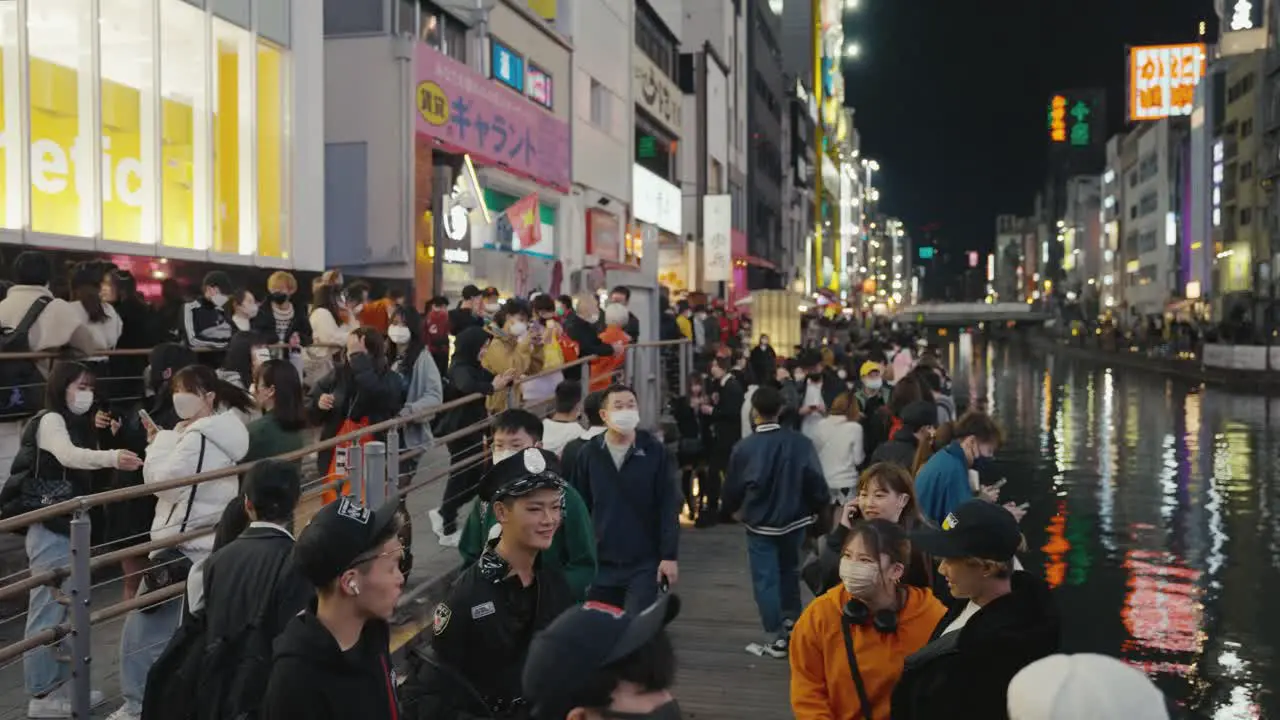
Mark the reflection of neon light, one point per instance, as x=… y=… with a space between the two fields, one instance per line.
x=1057 y=545
x=1162 y=610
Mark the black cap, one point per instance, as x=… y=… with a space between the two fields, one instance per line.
x=522 y=473
x=977 y=529
x=918 y=414
x=581 y=641
x=470 y=291
x=338 y=535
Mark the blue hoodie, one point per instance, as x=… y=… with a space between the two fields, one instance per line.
x=943 y=483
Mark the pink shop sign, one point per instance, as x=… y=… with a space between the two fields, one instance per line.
x=497 y=126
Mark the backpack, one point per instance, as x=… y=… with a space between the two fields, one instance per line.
x=21 y=384
x=202 y=678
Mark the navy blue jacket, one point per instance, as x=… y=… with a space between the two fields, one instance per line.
x=635 y=509
x=775 y=483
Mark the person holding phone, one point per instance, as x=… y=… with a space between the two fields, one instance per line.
x=514 y=352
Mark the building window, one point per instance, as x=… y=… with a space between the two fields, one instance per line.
x=655 y=150
x=1133 y=179
x=601 y=105
x=715 y=176
x=1246 y=170
x=128 y=130
x=273 y=156
x=1246 y=128
x=185 y=129
x=62 y=186
x=434 y=27
x=1246 y=216
x=654 y=42
x=344 y=17
x=233 y=191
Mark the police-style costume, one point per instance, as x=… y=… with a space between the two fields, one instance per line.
x=482 y=632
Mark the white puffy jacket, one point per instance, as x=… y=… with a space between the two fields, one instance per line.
x=176 y=454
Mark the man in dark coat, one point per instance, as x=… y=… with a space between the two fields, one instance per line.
x=726 y=428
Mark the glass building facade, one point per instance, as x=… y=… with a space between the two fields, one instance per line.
x=160 y=123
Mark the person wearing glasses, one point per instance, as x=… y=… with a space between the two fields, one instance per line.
x=333 y=660
x=482 y=632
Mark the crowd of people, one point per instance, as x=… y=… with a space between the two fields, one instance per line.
x=846 y=464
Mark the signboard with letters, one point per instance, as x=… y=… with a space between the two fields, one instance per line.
x=1163 y=79
x=539 y=86
x=654 y=200
x=717 y=239
x=506 y=66
x=1075 y=119
x=655 y=92
x=469 y=113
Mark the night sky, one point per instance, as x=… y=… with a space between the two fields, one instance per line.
x=951 y=97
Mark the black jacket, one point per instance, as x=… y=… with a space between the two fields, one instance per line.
x=205 y=325
x=461 y=318
x=466 y=377
x=359 y=391
x=251 y=580
x=764 y=363
x=632 y=329
x=265 y=323
x=313 y=679
x=481 y=635
x=36 y=472
x=972 y=667
x=774 y=483
x=900 y=450
x=588 y=339
x=726 y=414
x=635 y=509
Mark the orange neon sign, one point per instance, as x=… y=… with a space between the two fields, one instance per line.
x=1058 y=119
x=1163 y=79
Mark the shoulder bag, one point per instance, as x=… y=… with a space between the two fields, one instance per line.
x=171 y=565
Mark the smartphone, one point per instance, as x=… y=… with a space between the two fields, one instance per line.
x=1024 y=506
x=1000 y=483
x=147 y=422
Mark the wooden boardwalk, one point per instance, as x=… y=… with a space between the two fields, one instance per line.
x=718 y=679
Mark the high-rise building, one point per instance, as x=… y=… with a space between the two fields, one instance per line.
x=1152 y=157
x=764 y=143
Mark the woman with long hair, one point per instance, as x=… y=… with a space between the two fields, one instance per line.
x=55 y=459
x=99 y=316
x=246 y=352
x=137 y=331
x=848 y=648
x=209 y=437
x=242 y=307
x=884 y=492
x=912 y=444
x=277 y=391
x=361 y=391
x=331 y=323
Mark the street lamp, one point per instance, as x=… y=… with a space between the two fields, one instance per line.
x=850 y=5
x=852 y=50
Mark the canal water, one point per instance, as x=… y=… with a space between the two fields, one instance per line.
x=1155 y=513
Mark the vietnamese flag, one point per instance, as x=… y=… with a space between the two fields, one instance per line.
x=526 y=221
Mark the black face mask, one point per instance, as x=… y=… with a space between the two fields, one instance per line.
x=666 y=711
x=279 y=298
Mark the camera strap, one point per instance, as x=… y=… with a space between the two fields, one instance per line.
x=858 y=684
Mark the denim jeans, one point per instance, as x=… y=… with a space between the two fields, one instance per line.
x=144 y=638
x=775 y=577
x=42 y=671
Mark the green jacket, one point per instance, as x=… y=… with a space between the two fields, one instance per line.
x=268 y=439
x=572 y=551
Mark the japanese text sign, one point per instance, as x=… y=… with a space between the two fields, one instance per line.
x=540 y=87
x=717 y=238
x=1163 y=79
x=470 y=113
x=1058 y=119
x=657 y=93
x=507 y=67
x=1072 y=118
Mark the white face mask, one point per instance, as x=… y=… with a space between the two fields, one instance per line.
x=398 y=334
x=492 y=307
x=799 y=375
x=187 y=405
x=261 y=355
x=500 y=455
x=861 y=579
x=873 y=383
x=842 y=374
x=519 y=328
x=79 y=402
x=218 y=299
x=624 y=420
x=249 y=310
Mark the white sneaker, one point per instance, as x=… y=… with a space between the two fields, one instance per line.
x=775 y=649
x=451 y=541
x=57 y=704
x=123 y=714
x=437 y=521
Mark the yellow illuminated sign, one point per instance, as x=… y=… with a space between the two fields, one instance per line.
x=1058 y=119
x=433 y=104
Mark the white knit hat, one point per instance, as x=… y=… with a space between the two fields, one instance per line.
x=1085 y=685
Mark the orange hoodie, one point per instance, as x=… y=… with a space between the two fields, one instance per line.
x=821 y=684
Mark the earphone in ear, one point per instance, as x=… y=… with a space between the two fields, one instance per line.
x=355 y=590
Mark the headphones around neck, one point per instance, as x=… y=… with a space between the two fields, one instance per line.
x=857 y=613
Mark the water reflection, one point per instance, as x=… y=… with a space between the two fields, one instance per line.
x=1153 y=516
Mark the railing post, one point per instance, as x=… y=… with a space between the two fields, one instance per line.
x=586 y=378
x=629 y=367
x=683 y=366
x=511 y=395
x=355 y=473
x=80 y=595
x=393 y=462
x=375 y=473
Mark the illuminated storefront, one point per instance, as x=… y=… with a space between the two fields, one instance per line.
x=154 y=128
